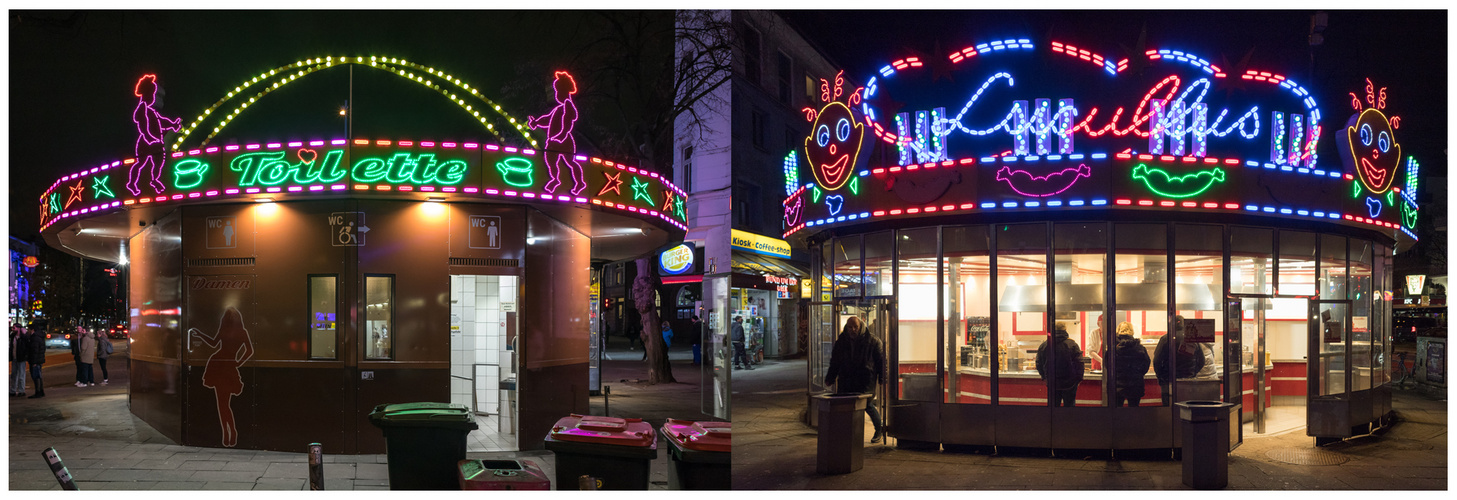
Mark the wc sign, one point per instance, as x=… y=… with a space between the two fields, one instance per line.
x=347 y=229
x=485 y=232
x=222 y=232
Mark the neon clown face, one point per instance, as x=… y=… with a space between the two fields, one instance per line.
x=833 y=145
x=1374 y=150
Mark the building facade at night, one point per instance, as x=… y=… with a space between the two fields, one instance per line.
x=281 y=289
x=1238 y=226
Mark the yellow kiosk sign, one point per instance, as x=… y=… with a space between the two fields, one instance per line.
x=760 y=244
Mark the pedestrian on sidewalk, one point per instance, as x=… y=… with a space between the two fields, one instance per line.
x=737 y=337
x=1130 y=365
x=37 y=358
x=667 y=336
x=87 y=359
x=103 y=351
x=857 y=362
x=18 y=355
x=75 y=342
x=1069 y=366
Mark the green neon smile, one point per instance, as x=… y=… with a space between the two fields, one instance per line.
x=1163 y=184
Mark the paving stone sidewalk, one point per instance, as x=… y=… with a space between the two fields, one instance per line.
x=105 y=447
x=774 y=450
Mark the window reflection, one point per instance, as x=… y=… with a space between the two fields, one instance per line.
x=1141 y=304
x=916 y=322
x=1080 y=258
x=1021 y=312
x=379 y=313
x=323 y=312
x=968 y=319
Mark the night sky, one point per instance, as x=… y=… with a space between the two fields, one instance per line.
x=72 y=77
x=1403 y=50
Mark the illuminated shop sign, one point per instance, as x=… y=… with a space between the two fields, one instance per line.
x=1415 y=283
x=557 y=172
x=676 y=260
x=759 y=244
x=1019 y=124
x=782 y=286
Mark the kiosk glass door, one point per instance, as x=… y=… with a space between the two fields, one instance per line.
x=879 y=318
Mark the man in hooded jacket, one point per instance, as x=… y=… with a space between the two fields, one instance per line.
x=1189 y=359
x=1131 y=363
x=1069 y=359
x=857 y=362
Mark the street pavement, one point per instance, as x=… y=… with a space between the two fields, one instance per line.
x=105 y=447
x=774 y=450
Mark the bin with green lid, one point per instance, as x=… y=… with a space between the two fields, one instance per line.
x=617 y=451
x=424 y=442
x=700 y=453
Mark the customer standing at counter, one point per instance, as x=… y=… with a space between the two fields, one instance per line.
x=1069 y=369
x=1130 y=364
x=857 y=362
x=1188 y=360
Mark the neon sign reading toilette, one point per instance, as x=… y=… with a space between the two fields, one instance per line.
x=271 y=168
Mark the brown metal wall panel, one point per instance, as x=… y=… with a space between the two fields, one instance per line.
x=553 y=371
x=1088 y=428
x=408 y=240
x=1143 y=427
x=471 y=236
x=293 y=407
x=968 y=424
x=154 y=296
x=1024 y=426
x=296 y=243
x=916 y=421
x=156 y=396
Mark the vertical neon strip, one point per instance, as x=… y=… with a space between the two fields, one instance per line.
x=1297 y=136
x=1199 y=129
x=1020 y=125
x=1155 y=127
x=1066 y=111
x=1175 y=126
x=1277 y=138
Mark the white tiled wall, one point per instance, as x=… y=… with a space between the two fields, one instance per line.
x=476 y=304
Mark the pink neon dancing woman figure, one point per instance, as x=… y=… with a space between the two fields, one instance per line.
x=560 y=146
x=151 y=153
x=221 y=374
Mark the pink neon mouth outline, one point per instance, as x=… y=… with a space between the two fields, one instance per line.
x=1006 y=174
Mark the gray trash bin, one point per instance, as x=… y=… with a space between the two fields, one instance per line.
x=1206 y=443
x=842 y=432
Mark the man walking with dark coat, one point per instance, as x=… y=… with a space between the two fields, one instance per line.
x=857 y=362
x=37 y=352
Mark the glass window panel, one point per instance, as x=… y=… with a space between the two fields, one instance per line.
x=847 y=266
x=1251 y=269
x=1140 y=280
x=1021 y=311
x=1332 y=266
x=1333 y=330
x=1297 y=263
x=825 y=284
x=968 y=322
x=1198 y=294
x=878 y=260
x=1385 y=276
x=323 y=317
x=916 y=317
x=1363 y=355
x=379 y=314
x=1080 y=260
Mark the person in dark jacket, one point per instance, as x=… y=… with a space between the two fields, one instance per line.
x=37 y=351
x=18 y=343
x=736 y=335
x=857 y=363
x=1188 y=360
x=1069 y=371
x=1131 y=363
x=76 y=355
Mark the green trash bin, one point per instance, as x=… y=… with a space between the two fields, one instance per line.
x=424 y=442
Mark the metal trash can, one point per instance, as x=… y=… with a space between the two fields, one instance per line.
x=617 y=451
x=1206 y=442
x=506 y=414
x=502 y=475
x=424 y=443
x=701 y=454
x=841 y=432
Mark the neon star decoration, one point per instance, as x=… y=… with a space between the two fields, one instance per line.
x=833 y=146
x=667 y=200
x=151 y=152
x=76 y=192
x=640 y=190
x=614 y=183
x=1369 y=142
x=1027 y=184
x=561 y=147
x=99 y=187
x=55 y=203
x=1162 y=183
x=678 y=208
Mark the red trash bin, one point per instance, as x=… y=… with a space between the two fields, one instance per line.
x=502 y=475
x=701 y=454
x=617 y=451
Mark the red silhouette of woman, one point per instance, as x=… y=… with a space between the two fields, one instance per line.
x=221 y=374
x=151 y=153
x=561 y=147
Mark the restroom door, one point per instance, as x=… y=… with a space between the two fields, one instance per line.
x=483 y=331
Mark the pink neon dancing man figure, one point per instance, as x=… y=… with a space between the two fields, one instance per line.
x=151 y=153
x=560 y=146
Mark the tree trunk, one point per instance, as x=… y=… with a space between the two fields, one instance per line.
x=659 y=371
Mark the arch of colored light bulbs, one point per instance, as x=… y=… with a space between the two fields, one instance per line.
x=315 y=64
